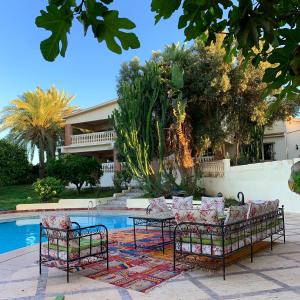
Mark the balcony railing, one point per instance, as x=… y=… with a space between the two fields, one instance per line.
x=108 y=167
x=93 y=138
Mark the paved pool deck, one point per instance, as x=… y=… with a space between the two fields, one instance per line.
x=273 y=275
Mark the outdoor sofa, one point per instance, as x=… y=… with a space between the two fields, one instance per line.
x=209 y=231
x=65 y=244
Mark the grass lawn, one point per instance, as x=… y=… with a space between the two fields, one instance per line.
x=10 y=196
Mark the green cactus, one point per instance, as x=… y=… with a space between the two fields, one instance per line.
x=139 y=123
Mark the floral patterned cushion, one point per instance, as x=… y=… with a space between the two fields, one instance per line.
x=182 y=202
x=237 y=214
x=185 y=215
x=57 y=222
x=272 y=206
x=158 y=205
x=217 y=203
x=256 y=209
x=205 y=216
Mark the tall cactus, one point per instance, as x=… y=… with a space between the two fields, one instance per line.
x=139 y=123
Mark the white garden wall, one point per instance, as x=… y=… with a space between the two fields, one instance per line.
x=267 y=180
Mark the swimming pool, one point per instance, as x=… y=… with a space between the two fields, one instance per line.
x=18 y=233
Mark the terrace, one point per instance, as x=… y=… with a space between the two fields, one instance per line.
x=271 y=275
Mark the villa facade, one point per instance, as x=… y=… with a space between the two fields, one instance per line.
x=282 y=140
x=90 y=132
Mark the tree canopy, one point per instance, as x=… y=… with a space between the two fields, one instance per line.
x=76 y=169
x=262 y=30
x=14 y=165
x=37 y=119
x=179 y=113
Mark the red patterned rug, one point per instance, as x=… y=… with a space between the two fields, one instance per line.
x=141 y=269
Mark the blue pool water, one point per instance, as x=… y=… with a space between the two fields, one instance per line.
x=24 y=232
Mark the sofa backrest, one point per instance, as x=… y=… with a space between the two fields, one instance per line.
x=217 y=203
x=56 y=228
x=237 y=214
x=261 y=207
x=182 y=202
x=158 y=205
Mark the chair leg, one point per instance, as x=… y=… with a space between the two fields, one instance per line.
x=223 y=264
x=107 y=267
x=67 y=271
x=271 y=242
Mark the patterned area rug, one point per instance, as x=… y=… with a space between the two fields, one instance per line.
x=144 y=268
x=141 y=269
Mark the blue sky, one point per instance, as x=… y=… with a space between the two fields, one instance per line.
x=89 y=70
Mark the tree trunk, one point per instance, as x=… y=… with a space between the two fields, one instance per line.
x=41 y=160
x=51 y=148
x=237 y=151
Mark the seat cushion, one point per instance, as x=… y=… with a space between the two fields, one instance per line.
x=62 y=255
x=197 y=215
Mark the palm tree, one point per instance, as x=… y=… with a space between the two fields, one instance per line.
x=37 y=119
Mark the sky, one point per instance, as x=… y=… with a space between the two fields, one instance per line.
x=89 y=70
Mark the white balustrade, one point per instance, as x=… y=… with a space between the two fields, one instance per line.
x=206 y=158
x=108 y=167
x=93 y=138
x=212 y=168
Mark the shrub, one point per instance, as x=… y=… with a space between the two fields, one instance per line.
x=296 y=182
x=14 y=165
x=76 y=169
x=122 y=179
x=48 y=188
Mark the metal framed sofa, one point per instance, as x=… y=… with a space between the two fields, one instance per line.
x=202 y=232
x=67 y=244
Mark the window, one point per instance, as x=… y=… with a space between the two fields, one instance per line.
x=268 y=151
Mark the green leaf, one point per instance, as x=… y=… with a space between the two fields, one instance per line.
x=110 y=28
x=58 y=21
x=270 y=74
x=164 y=8
x=177 y=77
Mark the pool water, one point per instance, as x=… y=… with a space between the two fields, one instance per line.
x=18 y=233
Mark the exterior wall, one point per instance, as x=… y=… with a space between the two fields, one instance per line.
x=100 y=112
x=279 y=146
x=285 y=136
x=293 y=138
x=68 y=134
x=107 y=179
x=267 y=180
x=277 y=127
x=87 y=148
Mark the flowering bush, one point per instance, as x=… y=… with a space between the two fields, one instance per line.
x=48 y=188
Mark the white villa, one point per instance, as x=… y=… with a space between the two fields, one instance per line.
x=89 y=132
x=282 y=140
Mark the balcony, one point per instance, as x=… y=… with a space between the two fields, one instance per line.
x=94 y=138
x=91 y=142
